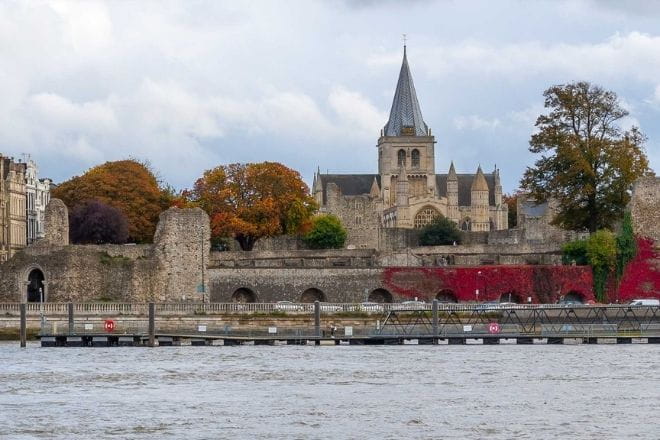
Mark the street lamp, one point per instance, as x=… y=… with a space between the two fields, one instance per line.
x=476 y=292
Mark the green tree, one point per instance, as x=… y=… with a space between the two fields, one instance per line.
x=326 y=232
x=601 y=253
x=626 y=246
x=575 y=251
x=440 y=231
x=588 y=162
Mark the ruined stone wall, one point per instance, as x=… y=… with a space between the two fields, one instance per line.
x=169 y=270
x=81 y=273
x=181 y=253
x=645 y=207
x=56 y=223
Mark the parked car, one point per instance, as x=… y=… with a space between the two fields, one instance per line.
x=371 y=307
x=413 y=305
x=330 y=307
x=645 y=302
x=488 y=305
x=287 y=306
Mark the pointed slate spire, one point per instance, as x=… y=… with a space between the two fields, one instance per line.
x=405 y=115
x=452 y=172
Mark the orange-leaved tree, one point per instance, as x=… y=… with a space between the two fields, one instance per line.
x=255 y=200
x=127 y=185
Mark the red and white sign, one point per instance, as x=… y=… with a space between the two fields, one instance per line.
x=493 y=328
x=109 y=325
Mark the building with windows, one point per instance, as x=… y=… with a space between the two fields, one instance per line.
x=13 y=212
x=407 y=192
x=37 y=197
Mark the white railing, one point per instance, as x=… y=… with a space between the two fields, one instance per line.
x=140 y=309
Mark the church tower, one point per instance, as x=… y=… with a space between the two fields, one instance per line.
x=452 y=194
x=406 y=142
x=479 y=202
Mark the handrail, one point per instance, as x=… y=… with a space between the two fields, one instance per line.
x=11 y=309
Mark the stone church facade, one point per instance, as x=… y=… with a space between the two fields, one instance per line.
x=407 y=192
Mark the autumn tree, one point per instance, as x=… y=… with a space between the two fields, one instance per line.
x=251 y=201
x=94 y=222
x=127 y=185
x=511 y=201
x=588 y=162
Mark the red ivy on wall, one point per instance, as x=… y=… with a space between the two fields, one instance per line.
x=641 y=278
x=544 y=284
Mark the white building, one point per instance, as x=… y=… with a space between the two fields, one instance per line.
x=37 y=195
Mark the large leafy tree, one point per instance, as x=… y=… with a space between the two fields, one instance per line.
x=326 y=232
x=588 y=163
x=127 y=185
x=441 y=231
x=93 y=222
x=251 y=201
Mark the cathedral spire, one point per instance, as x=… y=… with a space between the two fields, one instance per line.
x=452 y=172
x=405 y=115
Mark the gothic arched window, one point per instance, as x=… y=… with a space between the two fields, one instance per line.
x=425 y=216
x=465 y=224
x=414 y=158
x=401 y=158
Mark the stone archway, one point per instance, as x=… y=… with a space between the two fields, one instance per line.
x=573 y=297
x=311 y=295
x=446 y=296
x=380 y=296
x=511 y=297
x=36 y=286
x=244 y=295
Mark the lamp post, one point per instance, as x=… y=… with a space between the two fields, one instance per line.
x=476 y=292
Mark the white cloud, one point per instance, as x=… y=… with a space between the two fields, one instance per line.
x=356 y=113
x=475 y=122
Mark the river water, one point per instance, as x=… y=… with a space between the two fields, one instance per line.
x=307 y=392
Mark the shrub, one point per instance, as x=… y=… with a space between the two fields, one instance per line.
x=440 y=231
x=601 y=253
x=626 y=247
x=326 y=232
x=575 y=251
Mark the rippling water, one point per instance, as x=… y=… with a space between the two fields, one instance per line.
x=306 y=392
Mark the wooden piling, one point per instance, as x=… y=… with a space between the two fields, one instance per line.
x=152 y=324
x=435 y=319
x=71 y=325
x=23 y=331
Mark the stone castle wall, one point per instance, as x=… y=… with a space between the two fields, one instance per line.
x=162 y=271
x=645 y=207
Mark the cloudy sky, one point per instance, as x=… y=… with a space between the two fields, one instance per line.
x=188 y=85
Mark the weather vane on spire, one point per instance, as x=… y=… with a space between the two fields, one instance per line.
x=405 y=39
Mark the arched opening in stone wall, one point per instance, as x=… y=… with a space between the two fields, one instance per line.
x=573 y=297
x=244 y=295
x=465 y=224
x=380 y=296
x=414 y=158
x=311 y=295
x=425 y=216
x=446 y=296
x=401 y=158
x=36 y=291
x=510 y=297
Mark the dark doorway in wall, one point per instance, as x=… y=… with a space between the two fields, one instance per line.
x=35 y=289
x=311 y=295
x=244 y=295
x=380 y=296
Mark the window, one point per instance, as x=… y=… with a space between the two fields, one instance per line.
x=425 y=216
x=414 y=158
x=401 y=158
x=465 y=225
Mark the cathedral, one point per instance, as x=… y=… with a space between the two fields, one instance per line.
x=407 y=192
